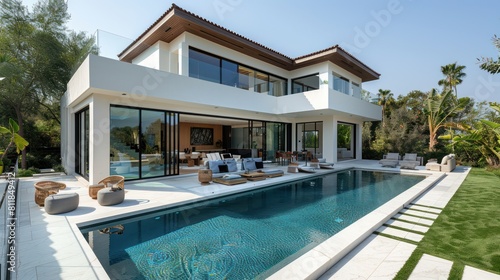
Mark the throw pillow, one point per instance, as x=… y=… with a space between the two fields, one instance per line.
x=223 y=168
x=214 y=165
x=231 y=165
x=259 y=164
x=250 y=165
x=445 y=160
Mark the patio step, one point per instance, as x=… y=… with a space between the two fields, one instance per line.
x=410 y=223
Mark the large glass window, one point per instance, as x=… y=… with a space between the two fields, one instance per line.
x=246 y=76
x=152 y=143
x=340 y=84
x=310 y=138
x=304 y=84
x=346 y=148
x=124 y=139
x=229 y=73
x=219 y=70
x=82 y=120
x=277 y=86
x=356 y=90
x=204 y=66
x=261 y=82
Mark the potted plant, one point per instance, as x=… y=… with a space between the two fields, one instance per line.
x=14 y=139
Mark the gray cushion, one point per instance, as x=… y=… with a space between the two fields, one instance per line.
x=231 y=165
x=61 y=203
x=214 y=165
x=107 y=196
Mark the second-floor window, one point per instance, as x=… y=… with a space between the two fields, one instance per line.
x=306 y=83
x=212 y=68
x=341 y=84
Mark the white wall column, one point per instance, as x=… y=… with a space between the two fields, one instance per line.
x=359 y=141
x=99 y=139
x=183 y=59
x=67 y=138
x=330 y=139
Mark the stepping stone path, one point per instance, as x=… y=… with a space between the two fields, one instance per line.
x=411 y=224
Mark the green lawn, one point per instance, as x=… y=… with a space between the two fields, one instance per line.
x=467 y=231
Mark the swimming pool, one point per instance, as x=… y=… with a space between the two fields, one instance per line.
x=243 y=236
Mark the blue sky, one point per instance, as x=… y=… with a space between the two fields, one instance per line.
x=406 y=41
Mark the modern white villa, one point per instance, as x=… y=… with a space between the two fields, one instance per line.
x=189 y=85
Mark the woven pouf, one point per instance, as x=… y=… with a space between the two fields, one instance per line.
x=205 y=176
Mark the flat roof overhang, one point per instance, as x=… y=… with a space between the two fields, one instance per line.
x=176 y=21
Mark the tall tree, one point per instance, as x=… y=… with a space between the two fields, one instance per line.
x=454 y=76
x=41 y=55
x=385 y=97
x=488 y=63
x=440 y=108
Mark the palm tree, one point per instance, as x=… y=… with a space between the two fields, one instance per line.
x=440 y=108
x=385 y=97
x=453 y=76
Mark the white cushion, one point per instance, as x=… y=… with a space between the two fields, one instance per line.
x=445 y=160
x=411 y=157
x=394 y=156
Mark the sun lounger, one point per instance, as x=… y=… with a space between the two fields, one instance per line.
x=306 y=169
x=326 y=165
x=230 y=179
x=270 y=173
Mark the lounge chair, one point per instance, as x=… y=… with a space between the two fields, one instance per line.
x=390 y=160
x=270 y=173
x=230 y=179
x=410 y=161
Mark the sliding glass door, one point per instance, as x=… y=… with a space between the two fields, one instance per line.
x=144 y=143
x=82 y=121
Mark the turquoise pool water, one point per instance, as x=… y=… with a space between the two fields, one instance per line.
x=243 y=236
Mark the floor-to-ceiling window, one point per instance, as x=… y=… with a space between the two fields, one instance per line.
x=124 y=141
x=144 y=143
x=263 y=138
x=346 y=141
x=310 y=138
x=276 y=139
x=152 y=143
x=82 y=120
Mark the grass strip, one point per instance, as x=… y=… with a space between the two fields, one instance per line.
x=405 y=272
x=411 y=222
x=457 y=271
x=395 y=237
x=405 y=229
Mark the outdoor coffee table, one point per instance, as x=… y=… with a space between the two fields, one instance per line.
x=254 y=176
x=46 y=188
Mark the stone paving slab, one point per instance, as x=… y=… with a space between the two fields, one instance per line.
x=471 y=273
x=419 y=214
x=414 y=219
x=400 y=233
x=427 y=209
x=377 y=257
x=406 y=225
x=430 y=267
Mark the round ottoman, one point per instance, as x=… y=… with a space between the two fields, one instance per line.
x=61 y=203
x=109 y=196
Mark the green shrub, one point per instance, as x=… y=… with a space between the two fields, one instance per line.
x=24 y=173
x=58 y=168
